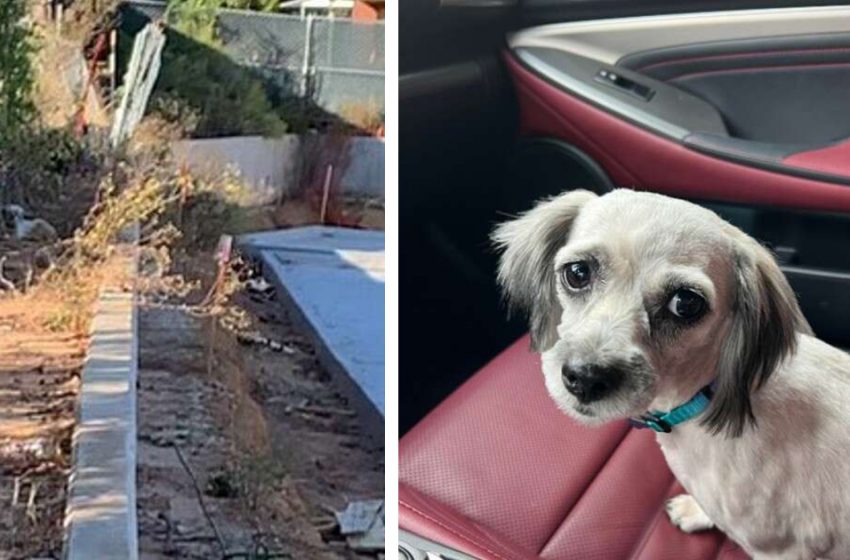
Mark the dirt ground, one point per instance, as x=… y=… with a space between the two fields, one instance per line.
x=358 y=213
x=363 y=213
x=39 y=382
x=256 y=434
x=272 y=447
x=44 y=335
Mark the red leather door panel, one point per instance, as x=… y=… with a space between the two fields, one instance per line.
x=636 y=158
x=832 y=159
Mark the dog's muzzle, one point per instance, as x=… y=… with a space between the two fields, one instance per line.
x=591 y=383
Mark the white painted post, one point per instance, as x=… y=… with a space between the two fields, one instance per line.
x=308 y=55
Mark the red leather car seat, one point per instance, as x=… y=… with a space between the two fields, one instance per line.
x=497 y=472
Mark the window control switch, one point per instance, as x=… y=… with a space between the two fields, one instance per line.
x=626 y=85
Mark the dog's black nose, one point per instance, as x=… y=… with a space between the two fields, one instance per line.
x=591 y=383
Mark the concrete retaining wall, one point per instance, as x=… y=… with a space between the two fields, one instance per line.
x=100 y=514
x=270 y=165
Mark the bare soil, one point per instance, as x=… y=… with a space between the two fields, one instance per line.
x=267 y=441
x=39 y=383
x=358 y=213
x=265 y=437
x=44 y=335
x=349 y=212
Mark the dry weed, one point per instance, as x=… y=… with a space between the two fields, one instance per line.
x=154 y=204
x=368 y=116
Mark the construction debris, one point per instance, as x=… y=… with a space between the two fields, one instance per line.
x=362 y=523
x=141 y=76
x=254 y=339
x=259 y=286
x=33 y=449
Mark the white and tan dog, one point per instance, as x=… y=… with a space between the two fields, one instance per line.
x=639 y=302
x=24 y=229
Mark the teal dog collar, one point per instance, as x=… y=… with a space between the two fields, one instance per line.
x=663 y=422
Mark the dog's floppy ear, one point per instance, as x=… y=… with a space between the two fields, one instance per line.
x=765 y=323
x=528 y=246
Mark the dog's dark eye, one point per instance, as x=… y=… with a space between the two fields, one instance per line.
x=576 y=275
x=686 y=304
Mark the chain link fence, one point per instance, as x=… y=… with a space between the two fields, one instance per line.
x=337 y=62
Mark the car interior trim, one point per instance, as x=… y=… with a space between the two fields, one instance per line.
x=611 y=39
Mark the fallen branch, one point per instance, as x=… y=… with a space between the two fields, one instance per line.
x=31 y=511
x=5 y=283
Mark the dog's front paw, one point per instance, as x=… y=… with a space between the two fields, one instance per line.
x=686 y=514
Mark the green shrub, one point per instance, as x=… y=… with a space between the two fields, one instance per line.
x=16 y=73
x=224 y=98
x=200 y=86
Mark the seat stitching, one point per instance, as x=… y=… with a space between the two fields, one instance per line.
x=449 y=529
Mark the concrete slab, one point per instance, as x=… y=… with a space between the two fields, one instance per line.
x=334 y=277
x=100 y=517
